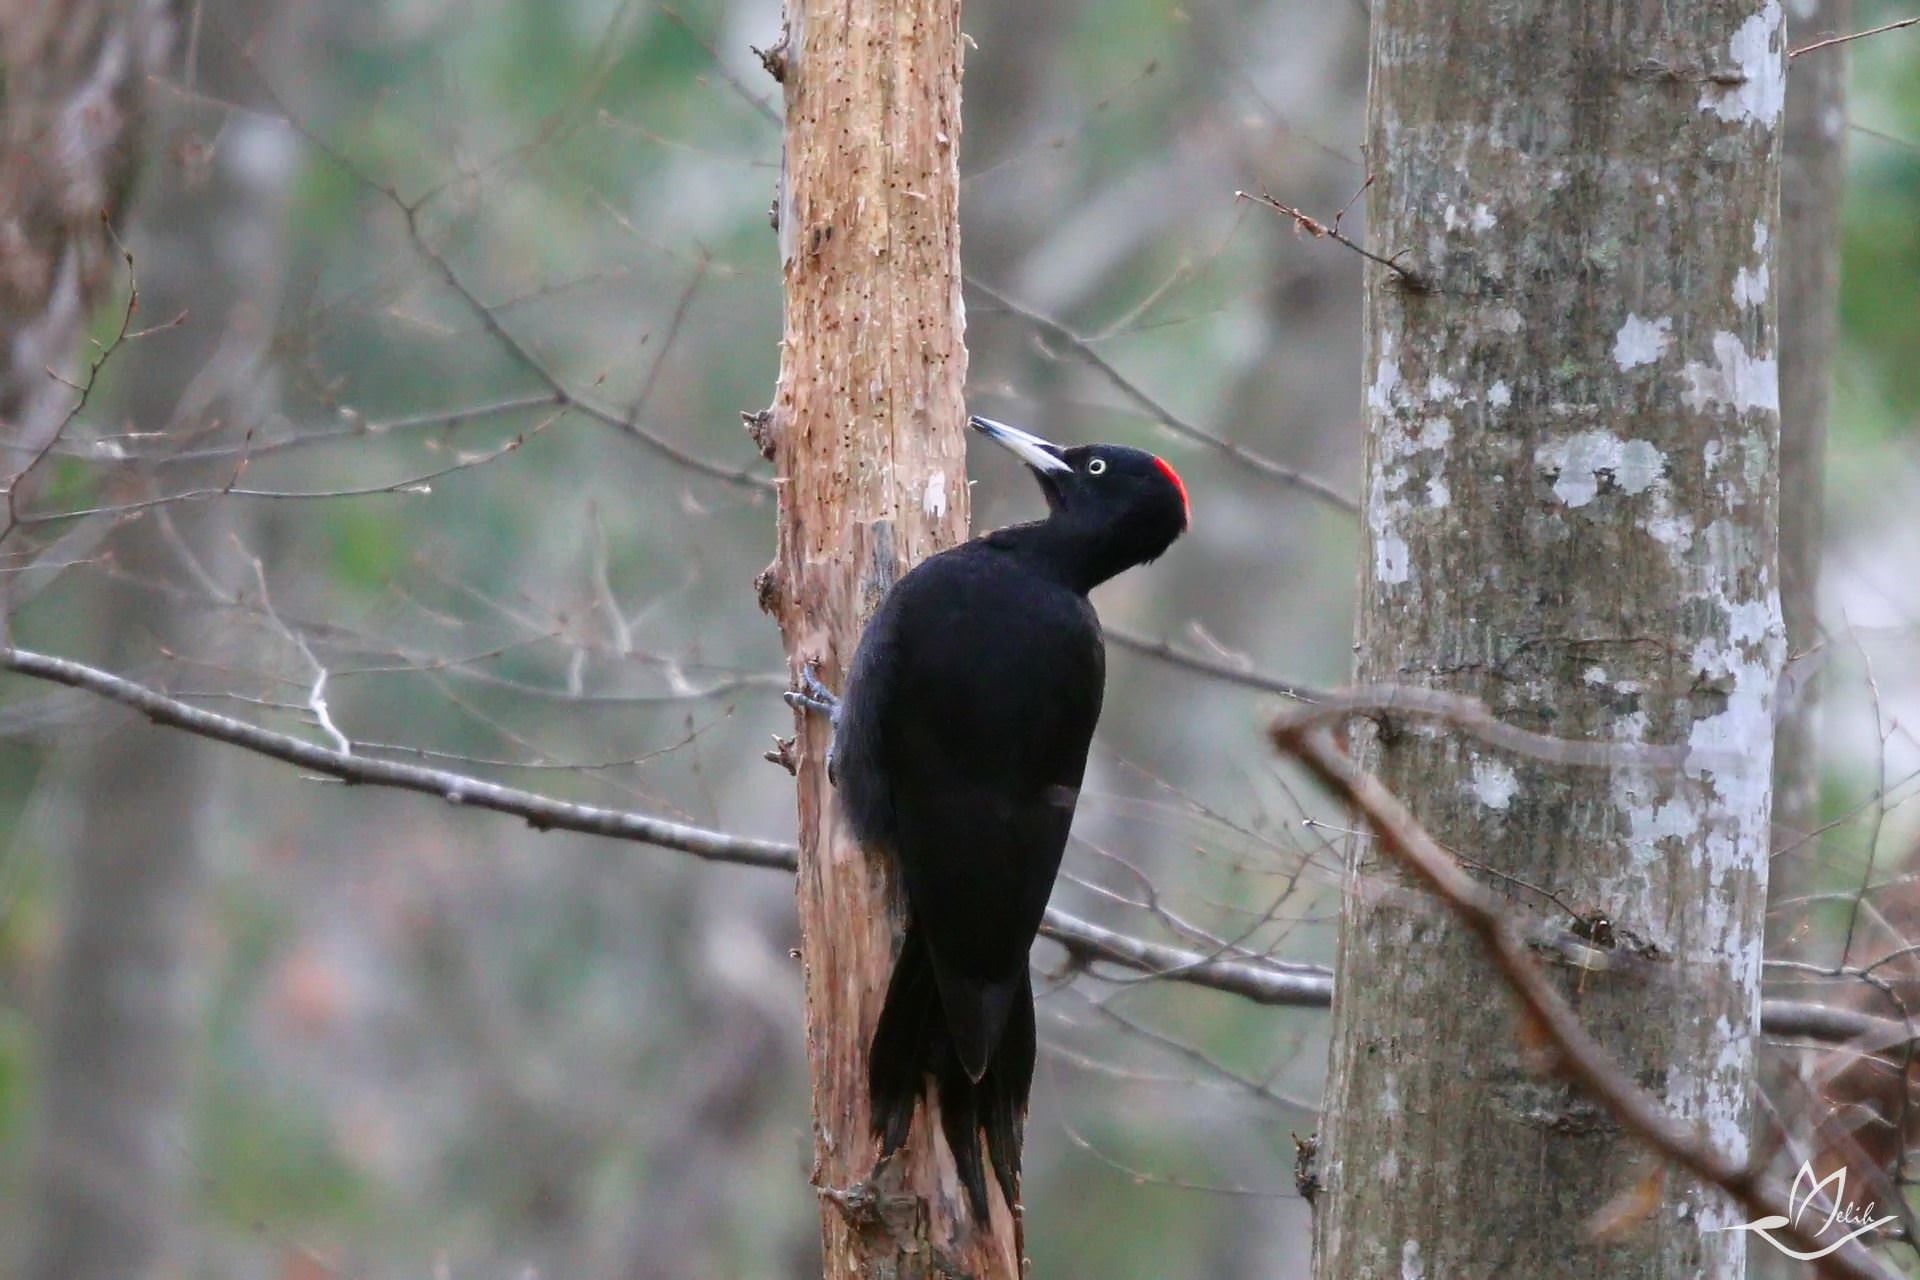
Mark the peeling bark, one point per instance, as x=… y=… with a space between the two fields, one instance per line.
x=1571 y=513
x=867 y=435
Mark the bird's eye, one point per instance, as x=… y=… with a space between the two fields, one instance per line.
x=1097 y=466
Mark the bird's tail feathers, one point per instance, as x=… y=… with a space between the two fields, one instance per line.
x=910 y=1037
x=976 y=1016
x=1000 y=1099
x=912 y=1048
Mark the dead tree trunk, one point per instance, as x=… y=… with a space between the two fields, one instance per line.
x=867 y=442
x=1573 y=418
x=1812 y=168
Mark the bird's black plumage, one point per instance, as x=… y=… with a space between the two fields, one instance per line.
x=960 y=745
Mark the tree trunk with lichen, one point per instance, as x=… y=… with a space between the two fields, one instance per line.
x=1573 y=422
x=866 y=436
x=1812 y=168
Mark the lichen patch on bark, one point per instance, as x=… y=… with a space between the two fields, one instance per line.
x=1569 y=505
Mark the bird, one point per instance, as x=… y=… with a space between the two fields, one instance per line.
x=959 y=744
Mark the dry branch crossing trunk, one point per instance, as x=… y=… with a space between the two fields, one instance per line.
x=867 y=442
x=1573 y=418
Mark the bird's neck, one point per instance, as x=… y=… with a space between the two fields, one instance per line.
x=1063 y=551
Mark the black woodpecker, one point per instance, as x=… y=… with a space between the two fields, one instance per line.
x=958 y=750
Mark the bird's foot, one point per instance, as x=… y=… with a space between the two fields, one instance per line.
x=864 y=1204
x=812 y=695
x=817 y=698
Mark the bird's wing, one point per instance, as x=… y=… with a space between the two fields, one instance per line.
x=985 y=734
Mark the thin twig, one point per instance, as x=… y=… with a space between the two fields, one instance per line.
x=1858 y=35
x=1255 y=462
x=122 y=335
x=359 y=429
x=1186 y=660
x=409 y=486
x=510 y=342
x=1321 y=231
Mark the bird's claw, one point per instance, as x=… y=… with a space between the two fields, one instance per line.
x=864 y=1204
x=804 y=702
x=812 y=695
x=820 y=700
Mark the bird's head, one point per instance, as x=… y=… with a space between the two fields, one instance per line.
x=1128 y=500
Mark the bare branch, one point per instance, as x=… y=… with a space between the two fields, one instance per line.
x=1264 y=984
x=1578 y=1053
x=1256 y=982
x=359 y=428
x=420 y=484
x=1814 y=1020
x=1321 y=231
x=122 y=335
x=1858 y=35
x=1200 y=664
x=541 y=812
x=509 y=341
x=1260 y=464
x=1472 y=716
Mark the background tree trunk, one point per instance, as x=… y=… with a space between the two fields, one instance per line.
x=77 y=85
x=73 y=128
x=867 y=428
x=1571 y=508
x=1812 y=170
x=112 y=1158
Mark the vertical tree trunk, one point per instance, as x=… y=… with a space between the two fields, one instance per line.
x=1573 y=419
x=76 y=85
x=73 y=128
x=867 y=434
x=113 y=1157
x=1812 y=171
